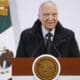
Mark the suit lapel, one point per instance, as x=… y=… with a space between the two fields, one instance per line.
x=59 y=36
x=38 y=35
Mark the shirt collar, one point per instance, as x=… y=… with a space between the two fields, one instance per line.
x=45 y=31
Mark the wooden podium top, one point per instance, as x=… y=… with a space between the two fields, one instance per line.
x=23 y=66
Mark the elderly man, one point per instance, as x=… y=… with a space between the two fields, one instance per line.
x=47 y=36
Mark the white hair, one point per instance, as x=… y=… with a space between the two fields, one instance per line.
x=47 y=2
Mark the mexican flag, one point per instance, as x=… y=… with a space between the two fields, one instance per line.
x=5 y=18
x=7 y=39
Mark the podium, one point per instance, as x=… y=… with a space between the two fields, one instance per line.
x=23 y=66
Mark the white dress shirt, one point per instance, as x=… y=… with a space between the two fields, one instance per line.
x=45 y=31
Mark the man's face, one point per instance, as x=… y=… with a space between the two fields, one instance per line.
x=48 y=16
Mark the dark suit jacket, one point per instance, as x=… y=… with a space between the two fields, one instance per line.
x=32 y=42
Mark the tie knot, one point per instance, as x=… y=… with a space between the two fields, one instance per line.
x=49 y=35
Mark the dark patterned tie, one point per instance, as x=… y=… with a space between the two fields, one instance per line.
x=49 y=43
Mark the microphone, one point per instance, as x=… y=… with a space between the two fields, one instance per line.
x=54 y=49
x=57 y=51
x=36 y=52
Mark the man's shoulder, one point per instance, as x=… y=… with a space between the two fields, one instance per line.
x=67 y=31
x=27 y=31
x=63 y=30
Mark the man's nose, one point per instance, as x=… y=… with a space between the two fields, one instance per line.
x=51 y=17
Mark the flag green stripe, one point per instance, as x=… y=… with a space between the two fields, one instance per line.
x=5 y=22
